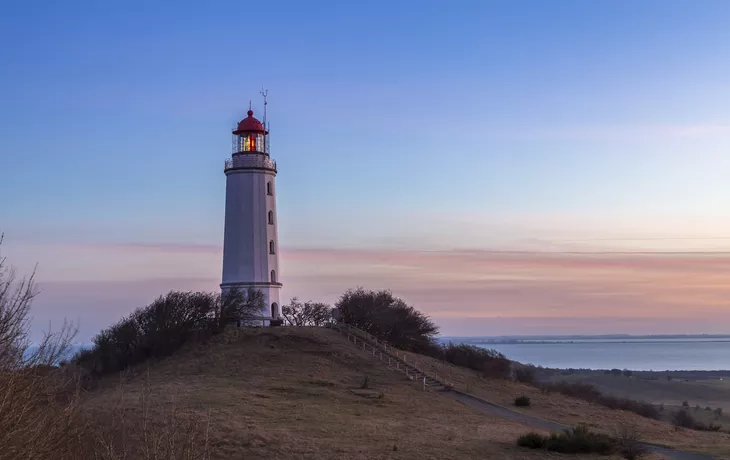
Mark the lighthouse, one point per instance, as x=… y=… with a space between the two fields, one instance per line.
x=250 y=241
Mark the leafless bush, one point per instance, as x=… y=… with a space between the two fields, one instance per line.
x=162 y=327
x=307 y=313
x=38 y=403
x=40 y=413
x=683 y=419
x=628 y=442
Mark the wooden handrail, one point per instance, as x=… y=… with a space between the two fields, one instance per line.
x=384 y=347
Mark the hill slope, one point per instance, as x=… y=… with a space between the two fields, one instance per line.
x=571 y=411
x=296 y=393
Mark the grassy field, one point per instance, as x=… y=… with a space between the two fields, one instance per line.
x=572 y=411
x=296 y=394
x=700 y=391
x=705 y=392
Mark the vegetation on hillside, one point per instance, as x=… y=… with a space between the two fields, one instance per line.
x=391 y=319
x=590 y=393
x=388 y=318
x=162 y=327
x=489 y=363
x=38 y=407
x=306 y=314
x=582 y=440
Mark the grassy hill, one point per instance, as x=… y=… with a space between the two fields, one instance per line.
x=298 y=393
x=295 y=393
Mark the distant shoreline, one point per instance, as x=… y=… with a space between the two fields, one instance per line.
x=653 y=355
x=563 y=337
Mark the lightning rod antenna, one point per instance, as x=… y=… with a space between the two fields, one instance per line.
x=265 y=94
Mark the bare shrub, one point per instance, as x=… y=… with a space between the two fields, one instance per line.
x=532 y=440
x=683 y=419
x=38 y=403
x=628 y=442
x=579 y=440
x=306 y=314
x=162 y=327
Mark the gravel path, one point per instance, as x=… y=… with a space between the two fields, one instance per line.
x=536 y=422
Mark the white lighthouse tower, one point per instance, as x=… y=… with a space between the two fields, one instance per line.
x=250 y=242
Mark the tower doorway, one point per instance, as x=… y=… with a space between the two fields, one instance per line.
x=274 y=311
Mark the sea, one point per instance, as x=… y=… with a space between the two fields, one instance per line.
x=635 y=353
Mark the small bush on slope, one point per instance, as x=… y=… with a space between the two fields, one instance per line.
x=577 y=441
x=683 y=419
x=532 y=441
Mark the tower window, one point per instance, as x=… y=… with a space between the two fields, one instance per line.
x=269 y=189
x=271 y=217
x=273 y=276
x=271 y=247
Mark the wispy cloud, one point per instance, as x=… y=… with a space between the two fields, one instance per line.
x=524 y=289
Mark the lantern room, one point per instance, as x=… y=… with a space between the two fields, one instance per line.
x=250 y=136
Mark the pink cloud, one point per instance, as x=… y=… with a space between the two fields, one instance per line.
x=527 y=290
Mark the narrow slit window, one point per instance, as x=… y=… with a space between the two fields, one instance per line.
x=269 y=189
x=271 y=247
x=271 y=217
x=273 y=276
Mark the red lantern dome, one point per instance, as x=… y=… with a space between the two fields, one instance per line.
x=250 y=125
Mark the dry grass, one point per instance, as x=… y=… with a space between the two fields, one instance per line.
x=572 y=411
x=39 y=416
x=295 y=394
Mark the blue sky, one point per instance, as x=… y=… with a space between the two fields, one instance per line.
x=396 y=125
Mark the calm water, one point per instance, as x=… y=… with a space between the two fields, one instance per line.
x=637 y=354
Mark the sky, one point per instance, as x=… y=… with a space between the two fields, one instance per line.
x=507 y=167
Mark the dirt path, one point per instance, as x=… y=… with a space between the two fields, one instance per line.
x=536 y=422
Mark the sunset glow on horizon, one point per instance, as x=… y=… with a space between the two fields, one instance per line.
x=505 y=167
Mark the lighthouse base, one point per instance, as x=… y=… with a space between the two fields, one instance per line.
x=270 y=315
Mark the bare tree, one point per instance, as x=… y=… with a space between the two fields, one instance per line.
x=16 y=297
x=38 y=402
x=307 y=313
x=241 y=306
